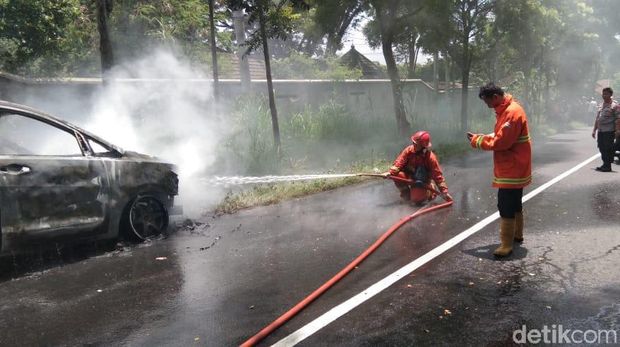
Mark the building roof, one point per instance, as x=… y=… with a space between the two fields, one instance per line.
x=228 y=66
x=356 y=60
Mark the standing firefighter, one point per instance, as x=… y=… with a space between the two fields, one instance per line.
x=607 y=124
x=512 y=161
x=418 y=163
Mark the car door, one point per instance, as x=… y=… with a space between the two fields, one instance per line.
x=48 y=186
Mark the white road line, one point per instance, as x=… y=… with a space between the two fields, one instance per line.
x=378 y=287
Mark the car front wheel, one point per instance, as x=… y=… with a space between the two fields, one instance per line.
x=147 y=217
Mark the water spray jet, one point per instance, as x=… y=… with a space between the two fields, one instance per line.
x=241 y=180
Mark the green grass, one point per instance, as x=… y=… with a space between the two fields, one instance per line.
x=273 y=193
x=263 y=195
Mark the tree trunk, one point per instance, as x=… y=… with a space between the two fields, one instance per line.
x=465 y=87
x=464 y=100
x=244 y=66
x=527 y=95
x=547 y=93
x=436 y=71
x=104 y=7
x=404 y=128
x=446 y=71
x=213 y=52
x=272 y=100
x=415 y=61
x=413 y=56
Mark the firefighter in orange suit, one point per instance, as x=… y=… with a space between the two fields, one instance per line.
x=512 y=159
x=418 y=163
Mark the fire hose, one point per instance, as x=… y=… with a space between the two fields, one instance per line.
x=323 y=288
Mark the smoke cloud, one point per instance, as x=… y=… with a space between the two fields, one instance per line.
x=160 y=106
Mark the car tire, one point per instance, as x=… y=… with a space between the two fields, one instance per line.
x=144 y=218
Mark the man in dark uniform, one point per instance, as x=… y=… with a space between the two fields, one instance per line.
x=606 y=129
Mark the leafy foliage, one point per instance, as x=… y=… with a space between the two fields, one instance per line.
x=279 y=22
x=140 y=25
x=37 y=35
x=300 y=66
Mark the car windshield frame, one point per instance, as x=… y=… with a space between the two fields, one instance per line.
x=81 y=136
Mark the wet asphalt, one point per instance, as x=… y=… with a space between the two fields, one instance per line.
x=219 y=281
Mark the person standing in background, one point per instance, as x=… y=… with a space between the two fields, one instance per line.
x=606 y=128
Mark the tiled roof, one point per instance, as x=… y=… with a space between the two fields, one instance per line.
x=228 y=65
x=354 y=59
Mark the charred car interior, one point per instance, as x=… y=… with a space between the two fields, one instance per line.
x=59 y=183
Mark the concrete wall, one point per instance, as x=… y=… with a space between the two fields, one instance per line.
x=366 y=98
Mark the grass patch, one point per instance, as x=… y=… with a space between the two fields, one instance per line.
x=449 y=150
x=268 y=194
x=263 y=195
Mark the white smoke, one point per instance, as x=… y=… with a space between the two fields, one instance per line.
x=160 y=106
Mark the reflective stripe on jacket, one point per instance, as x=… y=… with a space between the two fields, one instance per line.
x=511 y=146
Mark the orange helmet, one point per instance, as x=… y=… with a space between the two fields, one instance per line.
x=422 y=138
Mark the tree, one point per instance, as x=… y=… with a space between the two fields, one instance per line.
x=301 y=66
x=137 y=26
x=539 y=44
x=38 y=37
x=104 y=8
x=333 y=18
x=262 y=8
x=453 y=29
x=213 y=50
x=578 y=52
x=406 y=42
x=274 y=21
x=608 y=27
x=524 y=35
x=391 y=24
x=467 y=21
x=391 y=16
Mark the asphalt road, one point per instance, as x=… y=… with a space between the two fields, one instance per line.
x=220 y=281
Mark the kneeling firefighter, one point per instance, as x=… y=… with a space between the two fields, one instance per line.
x=418 y=163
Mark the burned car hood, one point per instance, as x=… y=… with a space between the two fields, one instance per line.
x=137 y=156
x=131 y=155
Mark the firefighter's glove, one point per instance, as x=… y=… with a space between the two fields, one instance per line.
x=394 y=170
x=443 y=188
x=446 y=196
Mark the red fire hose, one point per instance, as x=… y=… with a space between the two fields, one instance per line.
x=323 y=288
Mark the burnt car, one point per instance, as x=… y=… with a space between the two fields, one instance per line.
x=60 y=183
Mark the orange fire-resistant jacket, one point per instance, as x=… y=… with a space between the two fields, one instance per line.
x=511 y=146
x=409 y=159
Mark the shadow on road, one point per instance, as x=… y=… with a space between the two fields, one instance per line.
x=486 y=252
x=39 y=258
